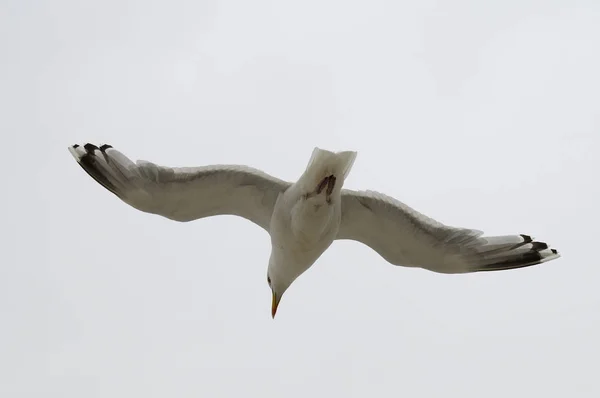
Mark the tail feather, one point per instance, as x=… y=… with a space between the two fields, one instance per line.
x=323 y=163
x=509 y=252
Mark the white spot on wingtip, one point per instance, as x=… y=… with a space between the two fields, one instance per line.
x=75 y=154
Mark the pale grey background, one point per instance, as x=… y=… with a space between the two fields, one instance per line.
x=480 y=114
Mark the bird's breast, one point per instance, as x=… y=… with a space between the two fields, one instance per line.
x=305 y=225
x=314 y=221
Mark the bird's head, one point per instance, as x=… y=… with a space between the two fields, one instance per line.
x=283 y=270
x=278 y=286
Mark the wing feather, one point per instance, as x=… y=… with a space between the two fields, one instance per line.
x=403 y=236
x=183 y=193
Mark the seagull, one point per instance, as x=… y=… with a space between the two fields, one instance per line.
x=304 y=218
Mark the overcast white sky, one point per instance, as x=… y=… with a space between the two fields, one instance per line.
x=479 y=114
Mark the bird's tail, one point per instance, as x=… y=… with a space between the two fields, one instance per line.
x=508 y=252
x=323 y=163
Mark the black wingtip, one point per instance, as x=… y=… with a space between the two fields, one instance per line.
x=539 y=246
x=527 y=238
x=90 y=147
x=104 y=147
x=89 y=163
x=525 y=260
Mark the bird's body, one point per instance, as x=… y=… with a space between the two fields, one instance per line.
x=304 y=218
x=307 y=217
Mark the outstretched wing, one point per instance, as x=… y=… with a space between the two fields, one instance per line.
x=183 y=194
x=406 y=237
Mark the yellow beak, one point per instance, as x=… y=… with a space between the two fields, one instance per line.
x=274 y=305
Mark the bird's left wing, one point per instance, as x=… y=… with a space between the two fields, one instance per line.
x=183 y=194
x=406 y=237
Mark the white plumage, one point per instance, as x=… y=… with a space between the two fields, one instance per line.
x=305 y=217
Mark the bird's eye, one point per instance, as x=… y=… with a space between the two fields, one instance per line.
x=269 y=280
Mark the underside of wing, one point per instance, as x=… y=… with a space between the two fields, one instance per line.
x=183 y=194
x=406 y=237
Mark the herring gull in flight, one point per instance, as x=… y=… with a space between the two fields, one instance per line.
x=305 y=217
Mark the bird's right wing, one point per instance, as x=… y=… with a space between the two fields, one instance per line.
x=406 y=237
x=183 y=194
